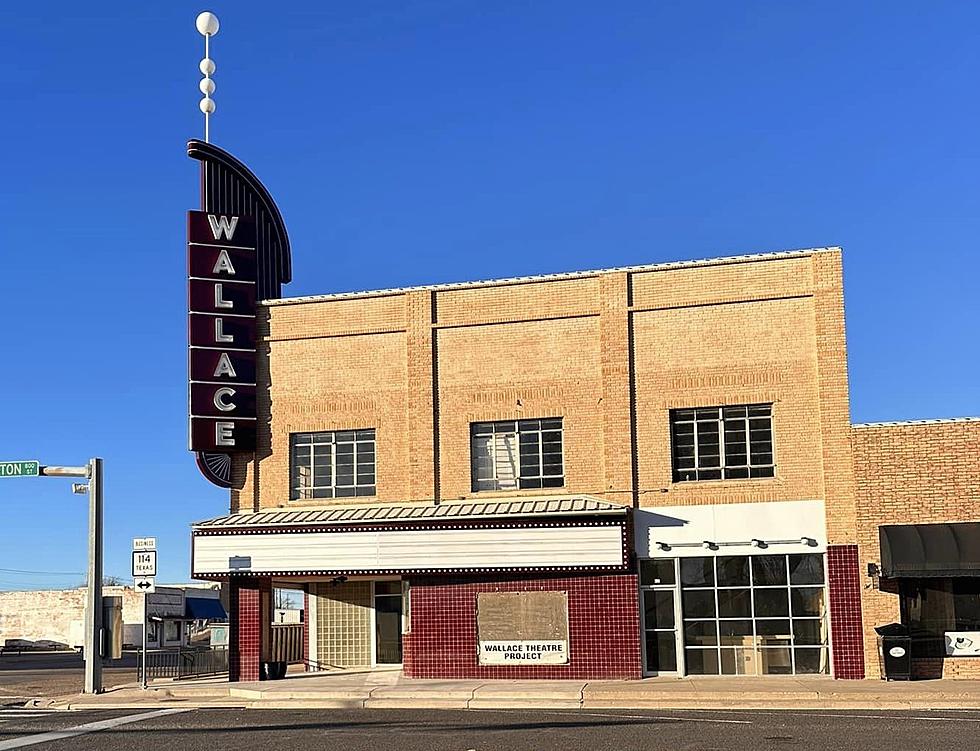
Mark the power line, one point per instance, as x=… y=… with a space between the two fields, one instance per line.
x=42 y=573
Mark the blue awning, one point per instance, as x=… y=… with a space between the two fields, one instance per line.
x=204 y=609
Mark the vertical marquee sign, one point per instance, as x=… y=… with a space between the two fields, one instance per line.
x=237 y=255
x=221 y=290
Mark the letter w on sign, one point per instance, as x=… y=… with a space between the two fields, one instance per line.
x=222 y=226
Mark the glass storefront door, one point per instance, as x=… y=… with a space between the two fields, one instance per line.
x=388 y=622
x=659 y=616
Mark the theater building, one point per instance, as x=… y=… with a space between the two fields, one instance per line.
x=606 y=474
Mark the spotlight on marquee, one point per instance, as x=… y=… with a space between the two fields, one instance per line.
x=207 y=24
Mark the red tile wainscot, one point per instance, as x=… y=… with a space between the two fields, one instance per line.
x=603 y=621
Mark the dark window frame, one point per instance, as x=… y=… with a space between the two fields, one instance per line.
x=539 y=444
x=337 y=464
x=728 y=442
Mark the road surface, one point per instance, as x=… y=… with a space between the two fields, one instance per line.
x=183 y=729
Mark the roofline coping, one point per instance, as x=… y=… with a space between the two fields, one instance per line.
x=899 y=423
x=721 y=261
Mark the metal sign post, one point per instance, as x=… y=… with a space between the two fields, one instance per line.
x=93 y=607
x=144 y=571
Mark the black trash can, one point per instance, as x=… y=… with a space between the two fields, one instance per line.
x=273 y=671
x=895 y=652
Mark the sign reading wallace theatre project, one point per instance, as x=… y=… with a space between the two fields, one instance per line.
x=221 y=268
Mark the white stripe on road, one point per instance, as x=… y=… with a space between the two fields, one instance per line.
x=579 y=713
x=89 y=727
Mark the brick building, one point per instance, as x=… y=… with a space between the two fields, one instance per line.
x=607 y=474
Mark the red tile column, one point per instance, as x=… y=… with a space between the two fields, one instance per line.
x=306 y=629
x=846 y=633
x=250 y=621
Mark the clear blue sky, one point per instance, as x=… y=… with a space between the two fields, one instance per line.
x=442 y=140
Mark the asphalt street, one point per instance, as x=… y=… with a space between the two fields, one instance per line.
x=27 y=675
x=490 y=730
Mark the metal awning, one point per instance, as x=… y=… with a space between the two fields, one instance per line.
x=489 y=508
x=930 y=550
x=204 y=609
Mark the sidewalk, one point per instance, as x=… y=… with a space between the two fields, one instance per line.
x=390 y=689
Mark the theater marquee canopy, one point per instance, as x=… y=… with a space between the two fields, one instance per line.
x=551 y=534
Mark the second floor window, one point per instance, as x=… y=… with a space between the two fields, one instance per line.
x=335 y=464
x=517 y=454
x=722 y=443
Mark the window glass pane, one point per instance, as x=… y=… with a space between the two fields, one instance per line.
x=762 y=472
x=700 y=633
x=553 y=423
x=697 y=572
x=682 y=414
x=734 y=603
x=699 y=603
x=811 y=661
x=768 y=569
x=808 y=601
x=709 y=447
x=776 y=661
x=701 y=661
x=806 y=568
x=736 y=632
x=733 y=571
x=728 y=412
x=661 y=652
x=552 y=482
x=658 y=608
x=343 y=436
x=773 y=631
x=809 y=631
x=657 y=571
x=759 y=409
x=523 y=425
x=770 y=602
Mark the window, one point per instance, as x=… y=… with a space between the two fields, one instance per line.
x=754 y=615
x=338 y=464
x=517 y=454
x=716 y=443
x=931 y=607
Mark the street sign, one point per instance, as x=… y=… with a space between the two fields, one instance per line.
x=20 y=469
x=145 y=584
x=144 y=543
x=144 y=563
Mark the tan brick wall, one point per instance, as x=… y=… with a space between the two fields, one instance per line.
x=421 y=365
x=911 y=473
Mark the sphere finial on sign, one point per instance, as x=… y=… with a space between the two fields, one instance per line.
x=207 y=24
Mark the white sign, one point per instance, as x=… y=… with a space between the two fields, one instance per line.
x=145 y=584
x=144 y=543
x=963 y=643
x=523 y=652
x=144 y=563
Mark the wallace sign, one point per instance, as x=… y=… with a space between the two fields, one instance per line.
x=221 y=294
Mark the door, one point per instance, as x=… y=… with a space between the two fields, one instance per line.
x=658 y=616
x=388 y=622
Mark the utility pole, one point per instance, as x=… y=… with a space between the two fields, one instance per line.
x=93 y=608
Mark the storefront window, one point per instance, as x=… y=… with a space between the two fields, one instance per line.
x=754 y=615
x=931 y=607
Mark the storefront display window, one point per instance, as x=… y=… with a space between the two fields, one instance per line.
x=931 y=607
x=754 y=615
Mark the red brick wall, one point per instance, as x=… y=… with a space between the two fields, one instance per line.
x=847 y=639
x=603 y=620
x=247 y=627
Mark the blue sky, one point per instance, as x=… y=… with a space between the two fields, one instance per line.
x=446 y=140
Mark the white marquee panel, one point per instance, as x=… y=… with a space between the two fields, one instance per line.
x=410 y=550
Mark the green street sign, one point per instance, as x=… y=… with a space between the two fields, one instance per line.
x=20 y=469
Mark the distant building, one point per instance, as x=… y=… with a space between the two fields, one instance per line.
x=58 y=615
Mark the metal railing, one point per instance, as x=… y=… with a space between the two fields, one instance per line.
x=287 y=643
x=185 y=662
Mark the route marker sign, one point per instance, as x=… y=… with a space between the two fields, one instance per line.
x=145 y=584
x=144 y=563
x=144 y=543
x=20 y=469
